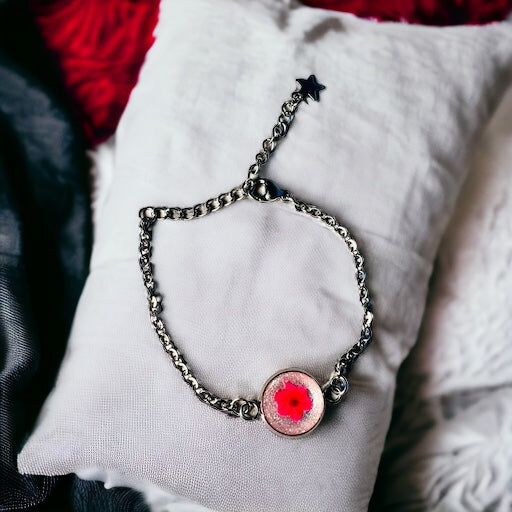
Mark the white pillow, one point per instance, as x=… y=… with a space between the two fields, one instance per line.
x=256 y=288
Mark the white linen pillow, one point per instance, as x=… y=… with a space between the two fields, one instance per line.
x=255 y=288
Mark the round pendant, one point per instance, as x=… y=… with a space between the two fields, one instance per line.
x=292 y=402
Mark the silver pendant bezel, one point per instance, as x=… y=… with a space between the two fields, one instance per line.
x=265 y=386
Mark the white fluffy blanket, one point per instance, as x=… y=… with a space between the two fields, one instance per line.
x=449 y=448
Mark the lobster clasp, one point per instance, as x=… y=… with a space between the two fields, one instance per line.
x=266 y=190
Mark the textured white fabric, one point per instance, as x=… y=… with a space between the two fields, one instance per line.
x=450 y=447
x=256 y=288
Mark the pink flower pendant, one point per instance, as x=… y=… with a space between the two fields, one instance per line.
x=292 y=402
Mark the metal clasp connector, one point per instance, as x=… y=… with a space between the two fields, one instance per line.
x=266 y=190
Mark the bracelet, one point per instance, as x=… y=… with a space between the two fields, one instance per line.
x=291 y=402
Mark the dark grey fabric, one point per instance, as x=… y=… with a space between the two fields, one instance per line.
x=93 y=497
x=45 y=246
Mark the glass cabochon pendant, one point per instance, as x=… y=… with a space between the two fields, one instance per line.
x=292 y=402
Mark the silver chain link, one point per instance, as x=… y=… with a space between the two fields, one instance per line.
x=264 y=191
x=337 y=385
x=279 y=131
x=247 y=409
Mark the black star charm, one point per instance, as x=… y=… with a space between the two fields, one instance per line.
x=310 y=88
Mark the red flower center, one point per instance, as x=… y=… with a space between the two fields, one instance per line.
x=293 y=401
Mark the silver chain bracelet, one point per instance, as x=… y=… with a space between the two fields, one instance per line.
x=292 y=402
